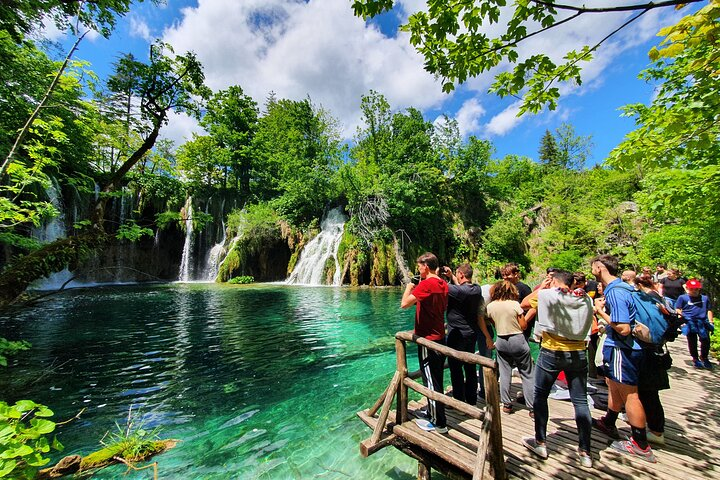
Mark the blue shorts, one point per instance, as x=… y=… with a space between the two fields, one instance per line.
x=621 y=364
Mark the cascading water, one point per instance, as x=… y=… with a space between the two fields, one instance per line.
x=310 y=267
x=214 y=256
x=186 y=262
x=51 y=231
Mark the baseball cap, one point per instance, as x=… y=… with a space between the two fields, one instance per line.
x=693 y=283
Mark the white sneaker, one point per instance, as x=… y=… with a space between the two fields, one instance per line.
x=623 y=416
x=655 y=439
x=429 y=426
x=531 y=444
x=584 y=459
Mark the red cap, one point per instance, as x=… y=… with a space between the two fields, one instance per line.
x=693 y=283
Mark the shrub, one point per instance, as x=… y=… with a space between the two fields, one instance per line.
x=242 y=280
x=23 y=438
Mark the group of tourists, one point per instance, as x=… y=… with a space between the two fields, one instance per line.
x=575 y=321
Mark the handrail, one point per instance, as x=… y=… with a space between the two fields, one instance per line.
x=490 y=440
x=466 y=357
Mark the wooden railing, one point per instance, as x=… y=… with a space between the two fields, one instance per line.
x=490 y=439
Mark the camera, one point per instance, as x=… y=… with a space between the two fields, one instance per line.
x=415 y=279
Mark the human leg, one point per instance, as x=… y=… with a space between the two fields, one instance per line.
x=692 y=340
x=454 y=341
x=704 y=348
x=576 y=371
x=654 y=411
x=524 y=363
x=505 y=363
x=431 y=367
x=546 y=372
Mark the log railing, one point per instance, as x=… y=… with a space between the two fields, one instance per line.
x=490 y=440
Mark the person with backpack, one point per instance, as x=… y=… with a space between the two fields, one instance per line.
x=697 y=313
x=653 y=374
x=622 y=355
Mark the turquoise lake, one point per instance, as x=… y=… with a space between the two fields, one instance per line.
x=259 y=381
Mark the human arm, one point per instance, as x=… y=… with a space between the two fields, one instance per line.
x=619 y=319
x=408 y=299
x=526 y=302
x=483 y=328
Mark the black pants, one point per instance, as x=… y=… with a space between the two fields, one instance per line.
x=654 y=412
x=692 y=339
x=432 y=365
x=462 y=375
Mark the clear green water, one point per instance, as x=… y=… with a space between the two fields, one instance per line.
x=256 y=381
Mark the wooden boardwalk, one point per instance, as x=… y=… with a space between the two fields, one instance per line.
x=692 y=433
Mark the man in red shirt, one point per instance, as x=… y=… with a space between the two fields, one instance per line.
x=430 y=295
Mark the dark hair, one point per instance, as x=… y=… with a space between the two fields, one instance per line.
x=510 y=269
x=466 y=270
x=578 y=278
x=564 y=277
x=503 y=290
x=428 y=259
x=551 y=270
x=661 y=265
x=610 y=262
x=644 y=281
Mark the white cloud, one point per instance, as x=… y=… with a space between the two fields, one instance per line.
x=319 y=48
x=296 y=49
x=139 y=28
x=505 y=121
x=180 y=128
x=468 y=117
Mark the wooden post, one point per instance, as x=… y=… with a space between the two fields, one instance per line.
x=423 y=471
x=492 y=399
x=401 y=414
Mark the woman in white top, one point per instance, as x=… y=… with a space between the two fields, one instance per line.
x=512 y=348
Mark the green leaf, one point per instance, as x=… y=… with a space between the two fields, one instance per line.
x=42 y=426
x=6 y=467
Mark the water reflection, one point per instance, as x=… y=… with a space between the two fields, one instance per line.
x=263 y=380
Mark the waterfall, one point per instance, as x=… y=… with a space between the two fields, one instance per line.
x=55 y=228
x=51 y=231
x=186 y=262
x=212 y=265
x=310 y=268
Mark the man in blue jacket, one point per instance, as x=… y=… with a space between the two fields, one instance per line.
x=622 y=356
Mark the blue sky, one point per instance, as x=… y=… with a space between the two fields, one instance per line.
x=318 y=48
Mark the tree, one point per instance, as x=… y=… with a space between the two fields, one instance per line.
x=454 y=38
x=201 y=162
x=231 y=118
x=297 y=154
x=167 y=83
x=549 y=154
x=675 y=148
x=19 y=17
x=573 y=149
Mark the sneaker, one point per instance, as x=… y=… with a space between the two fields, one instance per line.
x=629 y=447
x=623 y=417
x=707 y=364
x=531 y=414
x=520 y=398
x=609 y=430
x=507 y=407
x=655 y=439
x=422 y=414
x=429 y=426
x=698 y=364
x=531 y=444
x=584 y=459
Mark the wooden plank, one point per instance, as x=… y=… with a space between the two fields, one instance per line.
x=466 y=357
x=467 y=409
x=401 y=367
x=385 y=408
x=438 y=445
x=492 y=409
x=368 y=447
